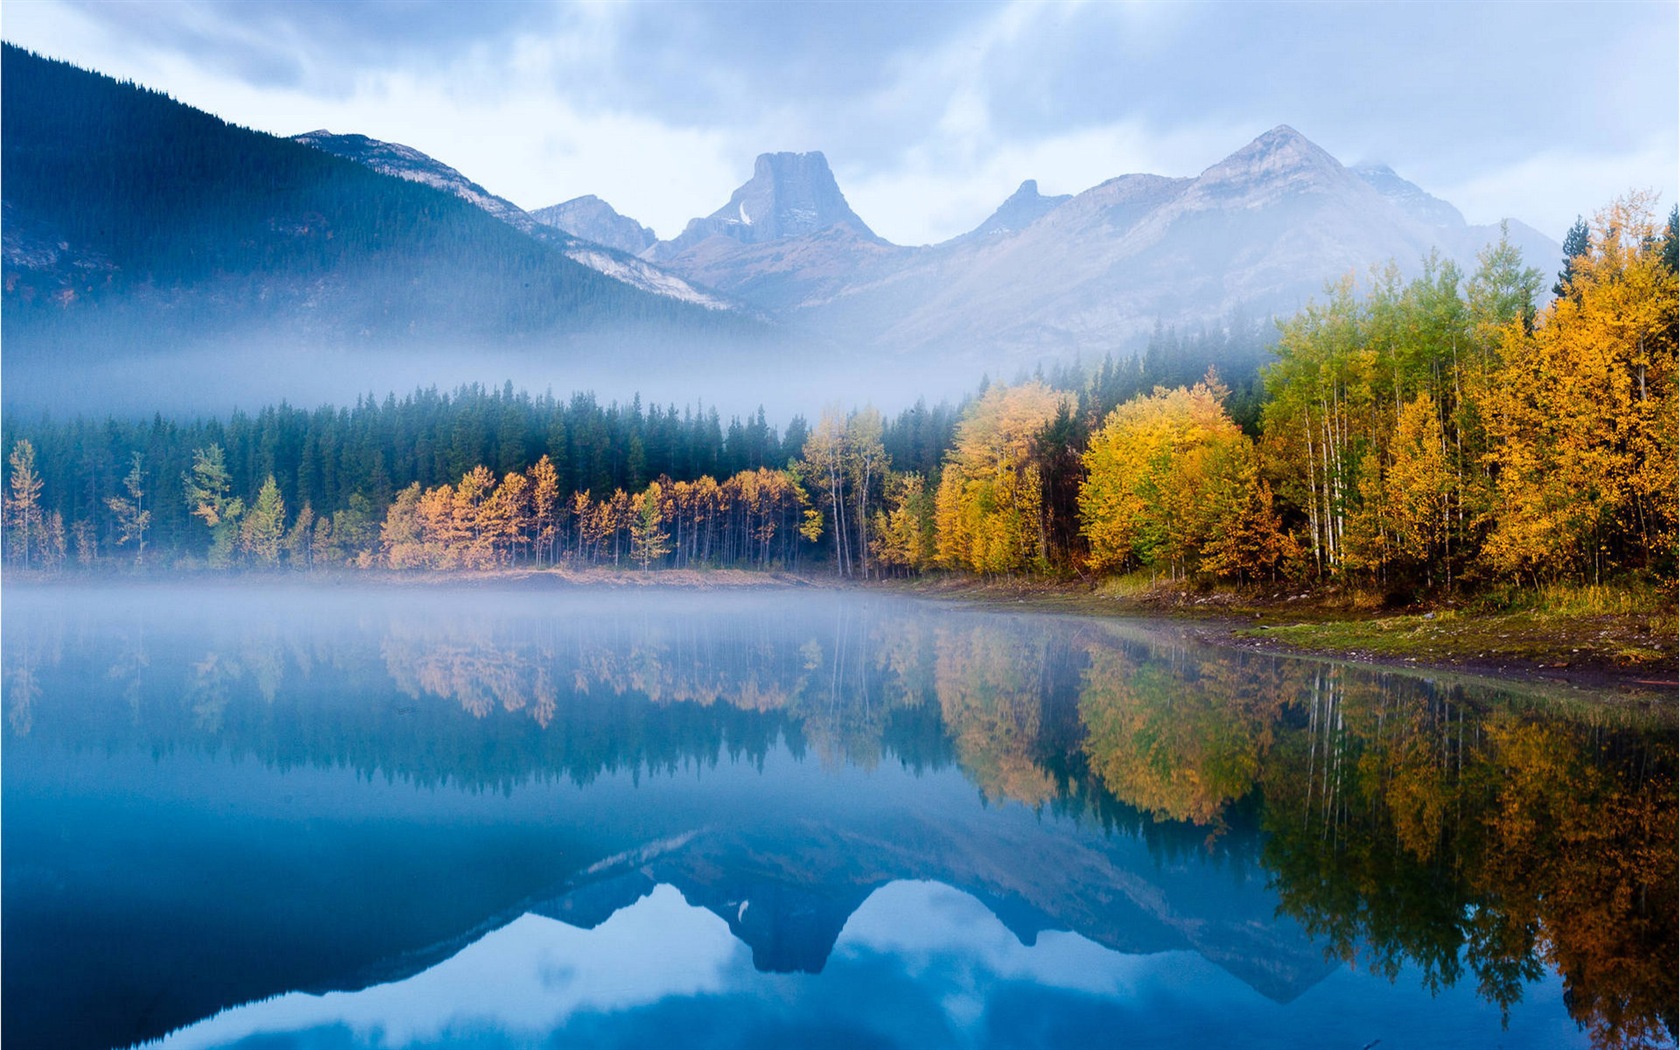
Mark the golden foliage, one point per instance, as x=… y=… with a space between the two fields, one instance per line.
x=989 y=510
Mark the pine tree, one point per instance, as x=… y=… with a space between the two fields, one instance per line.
x=1576 y=243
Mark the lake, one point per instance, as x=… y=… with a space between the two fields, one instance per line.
x=325 y=816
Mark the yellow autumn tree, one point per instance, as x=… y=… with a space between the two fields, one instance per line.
x=904 y=534
x=401 y=534
x=545 y=501
x=989 y=513
x=23 y=505
x=1582 y=413
x=1420 y=479
x=649 y=541
x=1166 y=476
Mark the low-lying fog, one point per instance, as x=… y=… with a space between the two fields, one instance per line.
x=786 y=379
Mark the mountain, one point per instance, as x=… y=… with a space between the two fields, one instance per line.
x=1023 y=208
x=1258 y=233
x=593 y=219
x=1409 y=197
x=406 y=162
x=602 y=256
x=789 y=195
x=139 y=229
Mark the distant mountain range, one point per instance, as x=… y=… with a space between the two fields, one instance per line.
x=135 y=226
x=1261 y=232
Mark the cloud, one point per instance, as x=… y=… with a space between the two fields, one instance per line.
x=1550 y=188
x=312 y=45
x=929 y=113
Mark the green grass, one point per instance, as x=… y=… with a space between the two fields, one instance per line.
x=1574 y=599
x=1575 y=627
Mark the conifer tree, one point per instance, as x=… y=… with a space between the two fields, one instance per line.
x=1576 y=243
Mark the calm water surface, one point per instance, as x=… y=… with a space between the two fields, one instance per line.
x=269 y=816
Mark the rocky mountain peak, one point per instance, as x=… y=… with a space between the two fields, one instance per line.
x=593 y=219
x=789 y=195
x=1020 y=210
x=1281 y=163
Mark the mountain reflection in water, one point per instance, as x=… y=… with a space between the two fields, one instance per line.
x=215 y=796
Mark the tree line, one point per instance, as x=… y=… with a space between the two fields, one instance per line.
x=1424 y=435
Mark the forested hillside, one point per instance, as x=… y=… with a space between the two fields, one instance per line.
x=136 y=224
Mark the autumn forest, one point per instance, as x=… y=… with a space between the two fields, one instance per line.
x=1408 y=437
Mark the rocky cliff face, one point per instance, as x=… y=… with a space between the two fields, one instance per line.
x=789 y=195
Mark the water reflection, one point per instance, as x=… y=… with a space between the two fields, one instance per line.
x=781 y=763
x=924 y=951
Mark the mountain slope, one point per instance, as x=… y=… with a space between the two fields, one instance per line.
x=145 y=226
x=1409 y=197
x=406 y=162
x=1023 y=208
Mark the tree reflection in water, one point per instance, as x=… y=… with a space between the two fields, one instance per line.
x=1472 y=834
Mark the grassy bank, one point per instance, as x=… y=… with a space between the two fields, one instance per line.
x=1591 y=630
x=1614 y=636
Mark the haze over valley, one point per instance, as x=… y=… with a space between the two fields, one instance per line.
x=184 y=263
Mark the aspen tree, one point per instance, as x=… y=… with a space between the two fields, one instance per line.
x=23 y=504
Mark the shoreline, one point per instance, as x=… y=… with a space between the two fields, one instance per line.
x=1314 y=627
x=1622 y=654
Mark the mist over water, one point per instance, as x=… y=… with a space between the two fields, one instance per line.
x=427 y=815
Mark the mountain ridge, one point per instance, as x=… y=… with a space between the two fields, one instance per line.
x=593 y=219
x=1260 y=231
x=193 y=232
x=408 y=163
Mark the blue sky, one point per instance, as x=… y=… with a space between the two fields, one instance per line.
x=930 y=113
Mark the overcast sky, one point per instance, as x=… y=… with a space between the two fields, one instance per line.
x=930 y=114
